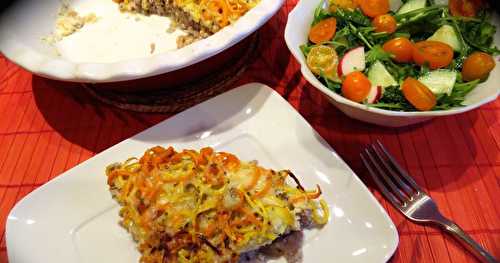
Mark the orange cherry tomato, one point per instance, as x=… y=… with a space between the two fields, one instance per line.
x=435 y=54
x=373 y=8
x=477 y=66
x=356 y=86
x=385 y=23
x=323 y=59
x=467 y=8
x=323 y=31
x=418 y=94
x=401 y=48
x=346 y=4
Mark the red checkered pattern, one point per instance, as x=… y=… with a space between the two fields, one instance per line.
x=48 y=127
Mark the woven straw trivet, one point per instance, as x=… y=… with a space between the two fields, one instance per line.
x=176 y=99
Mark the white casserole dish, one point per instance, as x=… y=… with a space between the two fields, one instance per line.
x=25 y=23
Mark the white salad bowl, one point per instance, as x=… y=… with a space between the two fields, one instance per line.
x=296 y=34
x=117 y=47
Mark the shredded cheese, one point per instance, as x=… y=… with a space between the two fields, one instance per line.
x=205 y=206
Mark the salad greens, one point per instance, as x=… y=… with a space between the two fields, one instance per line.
x=354 y=29
x=393 y=99
x=478 y=33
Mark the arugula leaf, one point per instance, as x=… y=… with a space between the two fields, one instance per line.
x=305 y=49
x=402 y=71
x=320 y=14
x=390 y=106
x=402 y=34
x=457 y=63
x=381 y=37
x=331 y=85
x=457 y=96
x=355 y=16
x=424 y=69
x=479 y=33
x=342 y=41
x=393 y=99
x=377 y=53
x=361 y=34
x=464 y=51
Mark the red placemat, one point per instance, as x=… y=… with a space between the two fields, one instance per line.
x=48 y=127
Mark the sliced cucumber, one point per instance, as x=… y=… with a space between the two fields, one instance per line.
x=441 y=2
x=379 y=76
x=447 y=35
x=440 y=81
x=411 y=5
x=394 y=5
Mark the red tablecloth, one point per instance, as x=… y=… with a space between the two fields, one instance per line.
x=48 y=127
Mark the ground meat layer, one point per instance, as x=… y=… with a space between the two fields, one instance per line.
x=195 y=31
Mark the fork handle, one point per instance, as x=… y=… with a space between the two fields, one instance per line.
x=481 y=254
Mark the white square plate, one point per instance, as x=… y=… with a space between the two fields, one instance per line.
x=74 y=219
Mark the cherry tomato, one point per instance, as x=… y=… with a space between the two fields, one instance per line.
x=373 y=8
x=477 y=66
x=323 y=59
x=418 y=94
x=323 y=31
x=435 y=54
x=467 y=8
x=346 y=4
x=385 y=23
x=356 y=86
x=401 y=48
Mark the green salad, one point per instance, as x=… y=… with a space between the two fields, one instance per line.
x=413 y=55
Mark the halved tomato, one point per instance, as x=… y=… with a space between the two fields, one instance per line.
x=401 y=48
x=373 y=8
x=419 y=95
x=323 y=30
x=467 y=8
x=433 y=53
x=346 y=4
x=323 y=59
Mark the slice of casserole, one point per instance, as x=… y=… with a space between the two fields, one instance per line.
x=207 y=206
x=199 y=18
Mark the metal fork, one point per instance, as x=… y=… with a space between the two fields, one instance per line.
x=409 y=198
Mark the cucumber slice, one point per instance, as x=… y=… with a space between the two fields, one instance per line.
x=411 y=5
x=441 y=2
x=447 y=35
x=394 y=5
x=379 y=76
x=440 y=81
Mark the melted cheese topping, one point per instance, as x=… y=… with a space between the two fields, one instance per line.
x=213 y=14
x=217 y=13
x=205 y=206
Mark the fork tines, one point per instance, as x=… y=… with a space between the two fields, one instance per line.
x=394 y=182
x=404 y=194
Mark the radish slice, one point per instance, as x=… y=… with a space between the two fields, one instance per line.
x=353 y=60
x=375 y=94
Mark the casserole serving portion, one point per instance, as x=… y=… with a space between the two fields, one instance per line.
x=207 y=206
